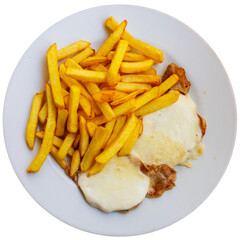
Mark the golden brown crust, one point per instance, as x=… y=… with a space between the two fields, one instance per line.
x=182 y=85
x=162 y=178
x=203 y=124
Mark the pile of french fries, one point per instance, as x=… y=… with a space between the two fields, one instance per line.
x=95 y=101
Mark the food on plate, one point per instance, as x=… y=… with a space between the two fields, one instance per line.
x=113 y=123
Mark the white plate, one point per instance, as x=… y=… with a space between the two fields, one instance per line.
x=54 y=191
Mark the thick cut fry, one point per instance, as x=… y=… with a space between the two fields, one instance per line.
x=109 y=126
x=126 y=98
x=64 y=85
x=54 y=152
x=48 y=135
x=158 y=103
x=52 y=62
x=142 y=47
x=91 y=127
x=156 y=91
x=75 y=163
x=104 y=107
x=86 y=106
x=168 y=83
x=66 y=145
x=65 y=92
x=71 y=81
x=94 y=148
x=151 y=71
x=96 y=168
x=74 y=96
x=82 y=113
x=119 y=141
x=113 y=39
x=136 y=67
x=108 y=96
x=84 y=136
x=76 y=141
x=66 y=101
x=33 y=119
x=92 y=60
x=56 y=142
x=71 y=63
x=86 y=76
x=43 y=114
x=117 y=128
x=127 y=147
x=87 y=52
x=131 y=87
x=121 y=109
x=154 y=80
x=71 y=49
x=129 y=57
x=61 y=121
x=116 y=62
x=98 y=67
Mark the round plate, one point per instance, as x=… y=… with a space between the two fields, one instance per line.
x=211 y=91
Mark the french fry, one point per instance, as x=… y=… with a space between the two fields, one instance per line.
x=66 y=145
x=96 y=168
x=126 y=98
x=52 y=61
x=136 y=67
x=109 y=126
x=129 y=57
x=116 y=62
x=56 y=142
x=119 y=141
x=84 y=136
x=42 y=115
x=121 y=109
x=61 y=121
x=92 y=60
x=168 y=83
x=76 y=141
x=142 y=47
x=82 y=113
x=33 y=119
x=71 y=81
x=71 y=49
x=86 y=76
x=117 y=128
x=98 y=67
x=75 y=163
x=66 y=101
x=129 y=48
x=108 y=96
x=71 y=63
x=64 y=92
x=151 y=71
x=48 y=135
x=104 y=107
x=127 y=147
x=54 y=152
x=93 y=148
x=87 y=52
x=113 y=39
x=74 y=96
x=154 y=80
x=131 y=87
x=91 y=127
x=86 y=106
x=158 y=103
x=64 y=85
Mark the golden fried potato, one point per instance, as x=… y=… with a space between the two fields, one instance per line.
x=33 y=119
x=48 y=134
x=131 y=87
x=54 y=152
x=75 y=163
x=108 y=96
x=136 y=67
x=96 y=168
x=87 y=52
x=61 y=121
x=154 y=80
x=84 y=136
x=92 y=61
x=91 y=127
x=129 y=57
x=42 y=115
x=119 y=141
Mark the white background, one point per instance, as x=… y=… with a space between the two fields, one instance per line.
x=23 y=21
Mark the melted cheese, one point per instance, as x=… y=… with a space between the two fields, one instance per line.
x=170 y=135
x=119 y=186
